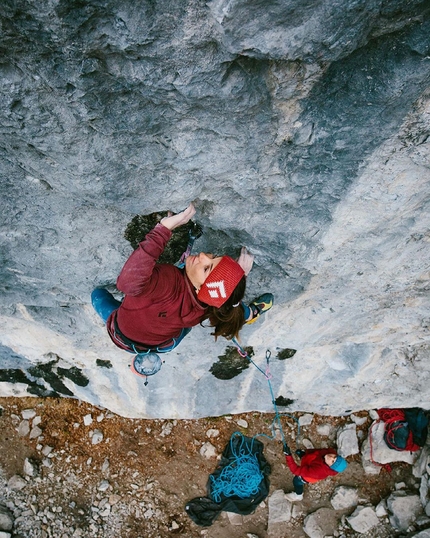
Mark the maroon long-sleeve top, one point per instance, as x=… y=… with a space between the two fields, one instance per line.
x=159 y=300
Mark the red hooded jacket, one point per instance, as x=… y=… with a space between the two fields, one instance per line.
x=159 y=300
x=312 y=467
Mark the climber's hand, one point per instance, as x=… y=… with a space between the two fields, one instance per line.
x=287 y=450
x=173 y=221
x=245 y=260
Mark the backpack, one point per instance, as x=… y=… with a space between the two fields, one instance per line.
x=405 y=429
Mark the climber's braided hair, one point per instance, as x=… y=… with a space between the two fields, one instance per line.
x=228 y=319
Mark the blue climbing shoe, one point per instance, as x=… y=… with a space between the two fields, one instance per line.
x=259 y=306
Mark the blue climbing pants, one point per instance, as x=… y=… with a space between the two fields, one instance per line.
x=104 y=303
x=298 y=484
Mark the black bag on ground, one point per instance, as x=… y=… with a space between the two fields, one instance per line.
x=418 y=424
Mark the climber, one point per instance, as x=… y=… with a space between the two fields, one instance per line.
x=163 y=302
x=315 y=465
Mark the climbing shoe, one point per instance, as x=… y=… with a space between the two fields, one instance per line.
x=294 y=497
x=260 y=305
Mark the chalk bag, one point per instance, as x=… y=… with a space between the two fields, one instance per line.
x=146 y=364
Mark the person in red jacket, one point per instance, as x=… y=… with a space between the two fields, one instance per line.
x=163 y=302
x=315 y=465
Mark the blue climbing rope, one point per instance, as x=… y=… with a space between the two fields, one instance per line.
x=268 y=376
x=241 y=477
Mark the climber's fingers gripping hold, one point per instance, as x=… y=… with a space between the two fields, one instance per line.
x=173 y=221
x=245 y=260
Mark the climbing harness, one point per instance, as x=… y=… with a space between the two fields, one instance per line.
x=241 y=477
x=276 y=423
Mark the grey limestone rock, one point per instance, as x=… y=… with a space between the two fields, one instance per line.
x=279 y=508
x=300 y=131
x=320 y=523
x=6 y=519
x=404 y=509
x=347 y=442
x=363 y=519
x=16 y=483
x=344 y=497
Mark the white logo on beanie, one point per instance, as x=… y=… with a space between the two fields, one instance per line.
x=213 y=291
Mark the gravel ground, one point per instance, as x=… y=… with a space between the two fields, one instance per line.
x=81 y=471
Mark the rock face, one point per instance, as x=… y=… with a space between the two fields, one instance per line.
x=300 y=130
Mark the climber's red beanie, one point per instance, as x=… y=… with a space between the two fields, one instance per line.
x=221 y=283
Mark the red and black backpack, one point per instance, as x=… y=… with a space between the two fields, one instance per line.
x=405 y=429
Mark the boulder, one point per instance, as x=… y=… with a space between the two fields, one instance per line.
x=404 y=509
x=344 y=497
x=363 y=519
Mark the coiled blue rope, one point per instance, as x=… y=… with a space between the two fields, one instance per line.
x=241 y=477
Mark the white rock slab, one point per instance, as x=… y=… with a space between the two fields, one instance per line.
x=363 y=519
x=403 y=509
x=347 y=442
x=279 y=508
x=344 y=497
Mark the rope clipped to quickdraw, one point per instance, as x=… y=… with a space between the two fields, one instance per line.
x=241 y=477
x=277 y=419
